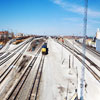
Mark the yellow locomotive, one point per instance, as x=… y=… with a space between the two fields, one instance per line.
x=44 y=49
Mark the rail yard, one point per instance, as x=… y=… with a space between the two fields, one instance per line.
x=50 y=50
x=47 y=68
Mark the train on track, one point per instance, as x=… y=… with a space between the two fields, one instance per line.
x=44 y=49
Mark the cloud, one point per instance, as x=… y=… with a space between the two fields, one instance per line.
x=93 y=13
x=60 y=3
x=94 y=22
x=79 y=20
x=72 y=19
x=76 y=8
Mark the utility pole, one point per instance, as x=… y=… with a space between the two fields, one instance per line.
x=84 y=50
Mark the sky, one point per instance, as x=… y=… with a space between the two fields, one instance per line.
x=49 y=17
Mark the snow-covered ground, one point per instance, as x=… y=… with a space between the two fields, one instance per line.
x=7 y=82
x=88 y=54
x=13 y=77
x=59 y=81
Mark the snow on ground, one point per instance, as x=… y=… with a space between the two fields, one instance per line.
x=91 y=57
x=59 y=82
x=93 y=86
x=13 y=77
x=57 y=78
x=92 y=91
x=23 y=95
x=4 y=86
x=6 y=47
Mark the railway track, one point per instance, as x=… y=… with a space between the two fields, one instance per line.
x=9 y=57
x=90 y=49
x=20 y=46
x=97 y=77
x=33 y=95
x=2 y=57
x=10 y=51
x=9 y=69
x=7 y=54
x=1 y=53
x=79 y=53
x=17 y=88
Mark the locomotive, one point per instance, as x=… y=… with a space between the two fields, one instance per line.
x=44 y=49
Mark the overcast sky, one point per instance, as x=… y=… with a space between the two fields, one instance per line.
x=49 y=17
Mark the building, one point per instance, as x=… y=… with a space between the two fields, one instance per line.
x=20 y=34
x=5 y=35
x=11 y=35
x=98 y=40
